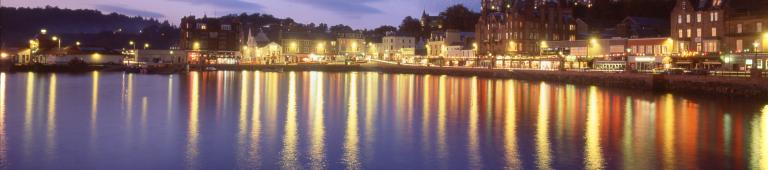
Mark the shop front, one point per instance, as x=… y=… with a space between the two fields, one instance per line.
x=646 y=63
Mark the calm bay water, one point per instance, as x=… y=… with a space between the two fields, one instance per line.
x=316 y=120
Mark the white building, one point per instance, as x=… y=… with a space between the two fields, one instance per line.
x=459 y=52
x=260 y=50
x=162 y=56
x=438 y=43
x=90 y=56
x=394 y=46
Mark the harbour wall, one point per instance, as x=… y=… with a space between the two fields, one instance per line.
x=719 y=86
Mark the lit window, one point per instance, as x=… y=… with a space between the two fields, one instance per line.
x=698 y=32
x=689 y=33
x=759 y=27
x=698 y=17
x=680 y=33
x=688 y=18
x=739 y=28
x=679 y=19
x=714 y=32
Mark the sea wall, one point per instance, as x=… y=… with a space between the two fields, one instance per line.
x=698 y=85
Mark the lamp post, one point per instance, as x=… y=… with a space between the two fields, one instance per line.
x=627 y=67
x=754 y=55
x=133 y=45
x=592 y=42
x=146 y=46
x=58 y=40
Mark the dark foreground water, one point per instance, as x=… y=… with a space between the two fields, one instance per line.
x=315 y=120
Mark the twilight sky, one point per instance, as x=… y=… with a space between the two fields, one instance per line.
x=356 y=13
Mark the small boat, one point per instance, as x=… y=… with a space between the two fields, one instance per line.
x=210 y=69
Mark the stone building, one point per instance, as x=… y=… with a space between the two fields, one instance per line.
x=351 y=44
x=712 y=27
x=211 y=40
x=395 y=46
x=439 y=41
x=517 y=27
x=431 y=22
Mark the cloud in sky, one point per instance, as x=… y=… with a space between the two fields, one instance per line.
x=356 y=13
x=226 y=4
x=349 y=8
x=129 y=11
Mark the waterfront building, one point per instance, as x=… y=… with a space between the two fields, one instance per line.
x=646 y=54
x=211 y=40
x=351 y=44
x=517 y=27
x=451 y=47
x=86 y=55
x=711 y=28
x=259 y=49
x=374 y=49
x=302 y=46
x=394 y=46
x=161 y=56
x=602 y=54
x=460 y=55
x=437 y=45
x=40 y=47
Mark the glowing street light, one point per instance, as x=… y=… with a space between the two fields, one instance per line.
x=58 y=40
x=321 y=48
x=592 y=42
x=196 y=46
x=43 y=31
x=3 y=55
x=146 y=45
x=77 y=43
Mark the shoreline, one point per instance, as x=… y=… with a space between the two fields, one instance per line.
x=716 y=86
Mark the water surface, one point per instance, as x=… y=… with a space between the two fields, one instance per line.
x=316 y=120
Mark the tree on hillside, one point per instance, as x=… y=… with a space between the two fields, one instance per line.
x=459 y=17
x=382 y=30
x=340 y=29
x=410 y=26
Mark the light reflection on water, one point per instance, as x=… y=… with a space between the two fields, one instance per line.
x=315 y=120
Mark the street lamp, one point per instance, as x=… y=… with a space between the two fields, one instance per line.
x=77 y=43
x=58 y=40
x=132 y=44
x=592 y=42
x=43 y=31
x=146 y=45
x=196 y=46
